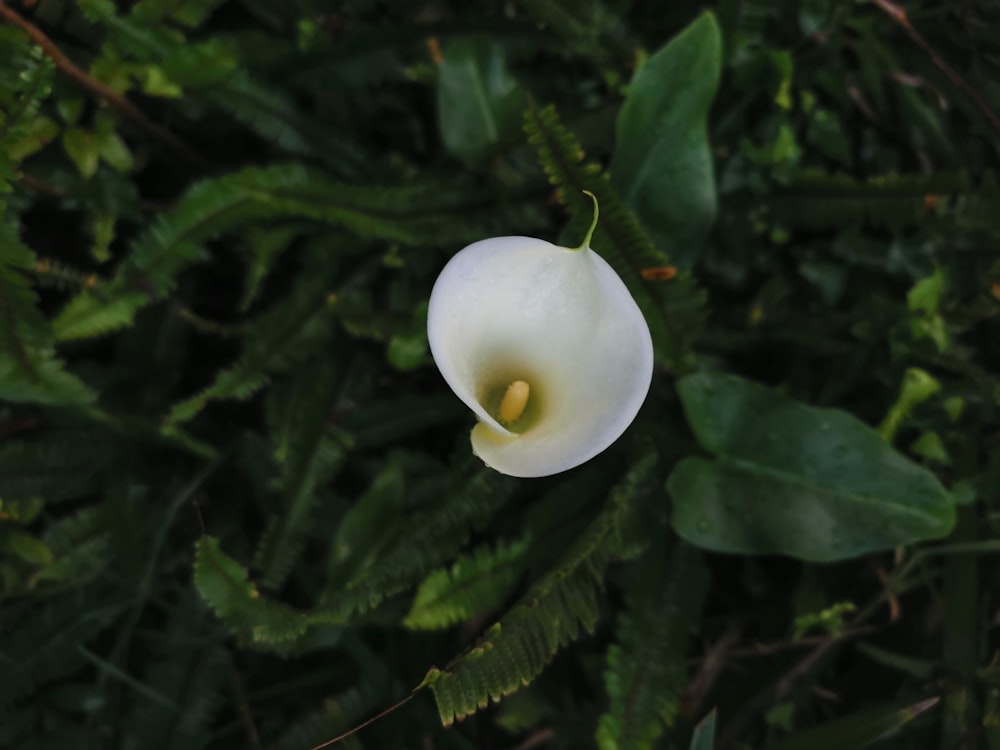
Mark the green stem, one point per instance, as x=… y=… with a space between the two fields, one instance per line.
x=593 y=223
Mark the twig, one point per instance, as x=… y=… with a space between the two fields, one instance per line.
x=40 y=186
x=364 y=724
x=711 y=667
x=538 y=738
x=243 y=708
x=95 y=87
x=898 y=15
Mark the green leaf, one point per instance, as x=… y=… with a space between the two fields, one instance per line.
x=674 y=309
x=703 y=737
x=792 y=479
x=479 y=102
x=647 y=665
x=113 y=150
x=82 y=149
x=512 y=652
x=856 y=731
x=224 y=584
x=925 y=295
x=23 y=545
x=474 y=583
x=34 y=135
x=662 y=164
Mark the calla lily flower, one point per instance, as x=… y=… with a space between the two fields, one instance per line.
x=545 y=345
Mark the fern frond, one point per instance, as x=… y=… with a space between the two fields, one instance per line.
x=49 y=383
x=308 y=452
x=474 y=583
x=79 y=545
x=43 y=646
x=411 y=214
x=22 y=325
x=387 y=420
x=551 y=615
x=173 y=243
x=88 y=315
x=287 y=334
x=29 y=369
x=279 y=121
x=582 y=25
x=818 y=199
x=189 y=673
x=423 y=541
x=647 y=664
x=25 y=83
x=675 y=309
x=224 y=584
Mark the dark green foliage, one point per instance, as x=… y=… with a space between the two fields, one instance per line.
x=673 y=308
x=646 y=666
x=238 y=505
x=514 y=650
x=474 y=583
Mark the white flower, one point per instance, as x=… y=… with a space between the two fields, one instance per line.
x=546 y=345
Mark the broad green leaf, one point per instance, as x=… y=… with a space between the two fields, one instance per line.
x=856 y=731
x=792 y=479
x=662 y=164
x=703 y=737
x=479 y=102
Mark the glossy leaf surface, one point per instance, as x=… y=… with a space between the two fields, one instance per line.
x=793 y=479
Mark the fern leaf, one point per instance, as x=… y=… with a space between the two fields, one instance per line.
x=173 y=243
x=22 y=326
x=674 y=310
x=424 y=541
x=80 y=545
x=29 y=369
x=389 y=420
x=413 y=214
x=647 y=665
x=308 y=452
x=474 y=584
x=276 y=119
x=189 y=673
x=224 y=584
x=551 y=615
x=586 y=27
x=818 y=199
x=43 y=647
x=49 y=383
x=287 y=334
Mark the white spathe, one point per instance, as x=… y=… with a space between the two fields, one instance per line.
x=512 y=309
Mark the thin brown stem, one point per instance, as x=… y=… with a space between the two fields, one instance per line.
x=898 y=14
x=364 y=724
x=246 y=715
x=95 y=87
